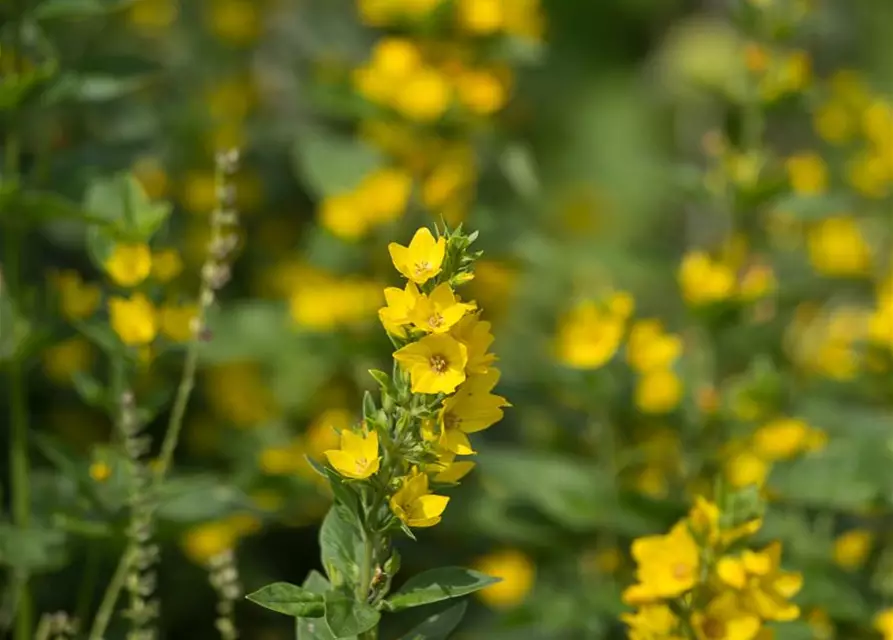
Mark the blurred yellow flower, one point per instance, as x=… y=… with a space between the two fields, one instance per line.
x=870 y=174
x=63 y=359
x=129 y=264
x=422 y=259
x=481 y=91
x=204 y=542
x=100 y=471
x=134 y=319
x=649 y=348
x=784 y=438
x=357 y=457
x=851 y=548
x=883 y=623
x=322 y=434
x=651 y=621
x=384 y=194
x=166 y=265
x=415 y=505
x=834 y=123
x=808 y=174
x=238 y=393
x=282 y=460
x=589 y=336
x=838 y=248
x=763 y=587
x=518 y=574
x=745 y=468
x=704 y=280
x=236 y=22
x=436 y=363
x=77 y=299
x=344 y=216
x=667 y=566
x=199 y=192
x=481 y=17
x=153 y=16
x=658 y=391
x=425 y=97
x=322 y=302
x=150 y=173
x=176 y=321
x=725 y=618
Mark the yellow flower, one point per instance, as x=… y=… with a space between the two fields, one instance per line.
x=481 y=91
x=134 y=319
x=176 y=321
x=649 y=348
x=401 y=302
x=282 y=460
x=704 y=522
x=385 y=193
x=234 y=21
x=238 y=393
x=129 y=264
x=757 y=282
x=153 y=15
x=667 y=566
x=78 y=299
x=838 y=248
x=203 y=542
x=481 y=17
x=834 y=123
x=322 y=434
x=589 y=336
x=518 y=574
x=658 y=391
x=199 y=192
x=652 y=622
x=869 y=173
x=344 y=216
x=705 y=281
x=475 y=335
x=414 y=505
x=763 y=587
x=452 y=471
x=784 y=438
x=422 y=259
x=745 y=468
x=150 y=173
x=851 y=548
x=62 y=360
x=808 y=174
x=883 y=622
x=724 y=620
x=436 y=363
x=100 y=471
x=166 y=265
x=440 y=311
x=425 y=97
x=357 y=458
x=474 y=408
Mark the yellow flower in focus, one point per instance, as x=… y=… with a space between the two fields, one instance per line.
x=422 y=259
x=78 y=300
x=166 y=265
x=100 y=471
x=415 y=505
x=440 y=311
x=482 y=17
x=134 y=319
x=652 y=622
x=838 y=248
x=453 y=471
x=589 y=336
x=745 y=468
x=129 y=264
x=344 y=216
x=649 y=348
x=62 y=360
x=425 y=97
x=764 y=589
x=666 y=566
x=518 y=574
x=176 y=321
x=851 y=548
x=152 y=16
x=883 y=623
x=808 y=174
x=474 y=408
x=400 y=302
x=784 y=438
x=236 y=22
x=723 y=619
x=704 y=280
x=481 y=91
x=436 y=363
x=475 y=335
x=385 y=194
x=204 y=542
x=357 y=458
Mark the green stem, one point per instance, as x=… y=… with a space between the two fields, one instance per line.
x=175 y=425
x=365 y=581
x=88 y=583
x=110 y=597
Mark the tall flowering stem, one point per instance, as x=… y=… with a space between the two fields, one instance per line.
x=390 y=470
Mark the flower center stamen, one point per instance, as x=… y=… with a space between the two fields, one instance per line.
x=435 y=321
x=438 y=363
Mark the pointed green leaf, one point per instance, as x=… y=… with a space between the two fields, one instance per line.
x=439 y=584
x=346 y=617
x=289 y=599
x=438 y=626
x=340 y=543
x=316 y=582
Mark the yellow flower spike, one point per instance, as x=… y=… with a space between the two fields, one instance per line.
x=440 y=311
x=134 y=319
x=475 y=334
x=358 y=456
x=129 y=264
x=667 y=566
x=723 y=619
x=436 y=363
x=415 y=505
x=422 y=259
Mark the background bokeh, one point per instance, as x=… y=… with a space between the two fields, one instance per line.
x=724 y=168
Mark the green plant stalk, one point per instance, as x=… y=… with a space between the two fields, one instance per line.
x=365 y=581
x=110 y=597
x=175 y=425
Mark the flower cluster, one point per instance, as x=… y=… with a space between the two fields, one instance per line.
x=701 y=582
x=441 y=390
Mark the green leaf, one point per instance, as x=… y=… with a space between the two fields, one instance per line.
x=344 y=493
x=71 y=87
x=438 y=626
x=340 y=543
x=332 y=164
x=814 y=207
x=289 y=599
x=439 y=584
x=122 y=201
x=89 y=389
x=31 y=549
x=316 y=582
x=346 y=617
x=312 y=629
x=199 y=498
x=14 y=328
x=54 y=9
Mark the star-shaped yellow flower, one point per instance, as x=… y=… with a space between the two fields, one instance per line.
x=422 y=259
x=414 y=505
x=436 y=363
x=357 y=458
x=438 y=312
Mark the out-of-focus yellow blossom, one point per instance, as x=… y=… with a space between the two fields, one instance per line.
x=787 y=74
x=63 y=359
x=166 y=265
x=199 y=192
x=422 y=259
x=237 y=392
x=475 y=335
x=151 y=174
x=201 y=543
x=153 y=16
x=518 y=574
x=851 y=548
x=784 y=438
x=589 y=336
x=343 y=215
x=129 y=264
x=807 y=173
x=176 y=321
x=820 y=623
x=236 y=22
x=379 y=13
x=436 y=363
x=762 y=586
x=450 y=183
x=667 y=566
x=883 y=623
x=837 y=247
x=100 y=471
x=652 y=621
x=650 y=348
x=393 y=62
x=415 y=505
x=757 y=281
x=826 y=345
x=134 y=319
x=322 y=434
x=745 y=468
x=725 y=619
x=870 y=174
x=283 y=459
x=834 y=123
x=651 y=480
x=440 y=311
x=849 y=88
x=425 y=97
x=704 y=280
x=877 y=122
x=230 y=99
x=385 y=194
x=322 y=302
x=481 y=91
x=658 y=391
x=357 y=458
x=77 y=299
